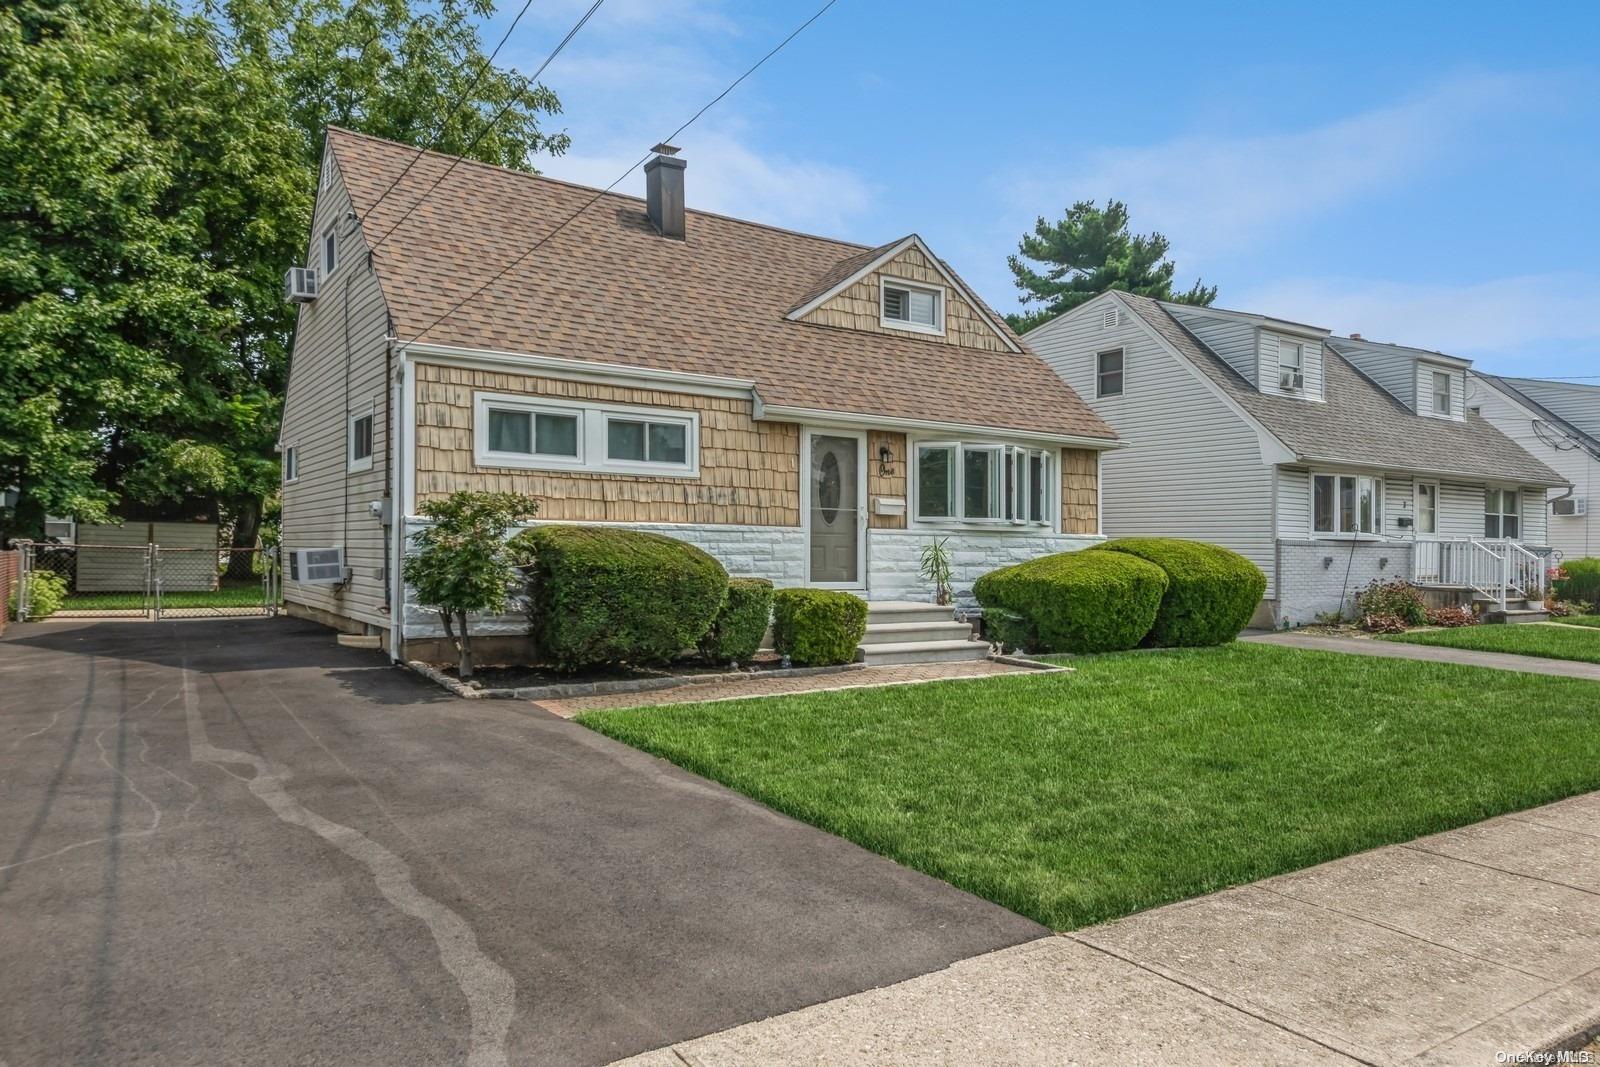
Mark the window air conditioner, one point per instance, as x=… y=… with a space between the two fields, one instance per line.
x=300 y=285
x=1290 y=378
x=318 y=566
x=1572 y=506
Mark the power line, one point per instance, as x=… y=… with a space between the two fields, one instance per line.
x=502 y=113
x=444 y=124
x=503 y=271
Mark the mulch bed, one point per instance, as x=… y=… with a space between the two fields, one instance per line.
x=520 y=676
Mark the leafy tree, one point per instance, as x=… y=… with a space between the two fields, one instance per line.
x=158 y=162
x=461 y=565
x=1087 y=253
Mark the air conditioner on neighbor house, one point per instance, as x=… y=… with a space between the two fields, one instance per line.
x=1572 y=506
x=300 y=285
x=1290 y=379
x=318 y=566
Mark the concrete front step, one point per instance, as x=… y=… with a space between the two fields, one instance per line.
x=878 y=654
x=883 y=633
x=1517 y=615
x=892 y=612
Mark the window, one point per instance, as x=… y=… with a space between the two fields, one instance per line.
x=1291 y=366
x=1441 y=393
x=1108 y=373
x=291 y=464
x=983 y=482
x=520 y=431
x=911 y=307
x=644 y=441
x=1501 y=517
x=1427 y=508
x=1348 y=504
x=330 y=253
x=361 y=441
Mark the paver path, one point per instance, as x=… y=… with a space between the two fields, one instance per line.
x=759 y=686
x=1360 y=646
x=233 y=841
x=1447 y=950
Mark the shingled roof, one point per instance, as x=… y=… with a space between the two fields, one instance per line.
x=608 y=288
x=1360 y=423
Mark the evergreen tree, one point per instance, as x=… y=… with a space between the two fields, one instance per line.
x=1087 y=253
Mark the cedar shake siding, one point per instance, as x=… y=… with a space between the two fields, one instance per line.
x=749 y=471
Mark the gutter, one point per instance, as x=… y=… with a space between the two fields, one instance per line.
x=823 y=416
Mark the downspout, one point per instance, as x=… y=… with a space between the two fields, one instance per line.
x=398 y=505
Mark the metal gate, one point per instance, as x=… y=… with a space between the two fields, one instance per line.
x=144 y=581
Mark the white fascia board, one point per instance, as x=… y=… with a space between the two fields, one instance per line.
x=619 y=374
x=1273 y=450
x=1300 y=329
x=855 y=419
x=1457 y=477
x=911 y=241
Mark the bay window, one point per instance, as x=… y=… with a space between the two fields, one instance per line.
x=983 y=482
x=1501 y=517
x=1350 y=504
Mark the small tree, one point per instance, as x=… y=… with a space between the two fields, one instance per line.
x=460 y=564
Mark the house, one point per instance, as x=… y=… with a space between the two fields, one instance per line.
x=1559 y=422
x=805 y=409
x=1327 y=461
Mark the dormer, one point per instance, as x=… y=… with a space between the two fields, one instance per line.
x=1278 y=357
x=902 y=288
x=1431 y=384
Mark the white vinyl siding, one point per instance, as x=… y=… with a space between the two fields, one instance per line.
x=328 y=505
x=1234 y=340
x=1572 y=537
x=1455 y=380
x=1192 y=468
x=1393 y=371
x=1310 y=365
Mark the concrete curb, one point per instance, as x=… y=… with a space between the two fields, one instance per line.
x=564 y=690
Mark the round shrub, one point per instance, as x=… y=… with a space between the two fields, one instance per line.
x=46 y=593
x=1396 y=597
x=599 y=595
x=1078 y=601
x=1211 y=592
x=1581 y=582
x=818 y=627
x=741 y=624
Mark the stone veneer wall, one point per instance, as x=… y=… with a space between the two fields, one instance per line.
x=894 y=559
x=1312 y=575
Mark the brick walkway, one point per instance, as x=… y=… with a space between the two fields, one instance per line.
x=901 y=674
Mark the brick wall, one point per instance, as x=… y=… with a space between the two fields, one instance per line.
x=1312 y=575
x=10 y=562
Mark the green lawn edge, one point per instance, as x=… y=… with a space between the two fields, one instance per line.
x=1522 y=639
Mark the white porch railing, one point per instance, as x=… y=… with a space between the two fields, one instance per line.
x=1500 y=570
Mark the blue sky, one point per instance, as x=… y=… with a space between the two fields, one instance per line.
x=1427 y=174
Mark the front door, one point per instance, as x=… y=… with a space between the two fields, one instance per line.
x=835 y=499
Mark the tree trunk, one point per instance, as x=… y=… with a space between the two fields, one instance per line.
x=246 y=527
x=464 y=671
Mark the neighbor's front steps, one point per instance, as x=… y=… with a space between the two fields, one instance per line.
x=905 y=631
x=1523 y=610
x=1459 y=948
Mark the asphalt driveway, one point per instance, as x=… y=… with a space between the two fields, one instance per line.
x=233 y=841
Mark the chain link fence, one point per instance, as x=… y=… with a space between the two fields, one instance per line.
x=143 y=581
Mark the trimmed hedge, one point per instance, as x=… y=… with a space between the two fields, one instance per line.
x=818 y=627
x=1582 y=583
x=1211 y=592
x=1077 y=601
x=599 y=595
x=46 y=593
x=741 y=624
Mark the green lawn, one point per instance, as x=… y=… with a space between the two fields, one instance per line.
x=246 y=595
x=1580 y=620
x=1144 y=777
x=1529 y=639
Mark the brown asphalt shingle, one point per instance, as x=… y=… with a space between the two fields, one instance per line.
x=608 y=288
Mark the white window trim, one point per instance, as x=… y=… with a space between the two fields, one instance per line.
x=1098 y=394
x=1416 y=508
x=291 y=461
x=1378 y=488
x=1449 y=393
x=1515 y=513
x=1052 y=500
x=941 y=296
x=329 y=251
x=593 y=419
x=365 y=463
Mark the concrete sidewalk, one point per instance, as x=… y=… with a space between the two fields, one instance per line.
x=1446 y=950
x=1362 y=646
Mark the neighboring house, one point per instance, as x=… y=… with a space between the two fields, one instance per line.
x=1559 y=422
x=804 y=409
x=1327 y=461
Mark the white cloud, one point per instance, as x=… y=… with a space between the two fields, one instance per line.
x=1216 y=194
x=1532 y=324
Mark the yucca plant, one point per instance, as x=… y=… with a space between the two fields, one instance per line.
x=936 y=569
